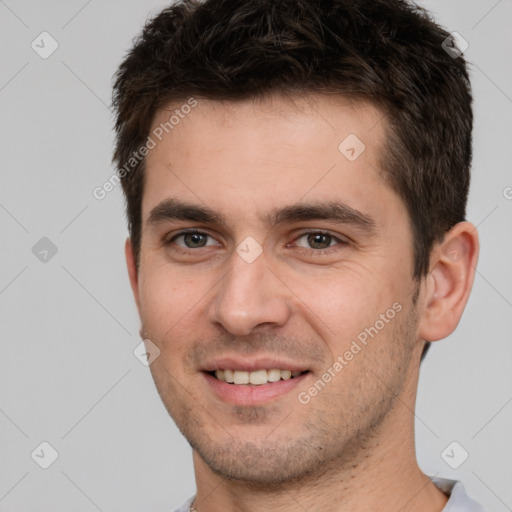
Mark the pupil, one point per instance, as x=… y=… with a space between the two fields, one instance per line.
x=319 y=241
x=195 y=240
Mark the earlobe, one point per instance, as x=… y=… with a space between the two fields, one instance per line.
x=448 y=284
x=132 y=271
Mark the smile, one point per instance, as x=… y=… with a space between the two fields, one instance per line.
x=255 y=378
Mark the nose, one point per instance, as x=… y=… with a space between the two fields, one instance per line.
x=250 y=297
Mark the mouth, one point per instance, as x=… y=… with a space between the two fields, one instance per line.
x=254 y=386
x=254 y=380
x=256 y=377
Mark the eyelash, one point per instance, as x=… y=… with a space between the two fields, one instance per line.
x=309 y=251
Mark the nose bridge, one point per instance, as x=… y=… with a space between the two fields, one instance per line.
x=249 y=295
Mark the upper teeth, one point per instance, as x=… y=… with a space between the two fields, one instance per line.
x=257 y=377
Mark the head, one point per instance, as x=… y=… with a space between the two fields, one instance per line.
x=242 y=120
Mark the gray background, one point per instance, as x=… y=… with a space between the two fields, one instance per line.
x=68 y=375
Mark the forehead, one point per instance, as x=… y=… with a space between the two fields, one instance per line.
x=332 y=117
x=260 y=154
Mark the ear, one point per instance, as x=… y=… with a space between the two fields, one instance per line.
x=132 y=271
x=448 y=285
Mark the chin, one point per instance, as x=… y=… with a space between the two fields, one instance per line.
x=260 y=465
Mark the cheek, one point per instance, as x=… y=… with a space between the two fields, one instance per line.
x=167 y=300
x=342 y=304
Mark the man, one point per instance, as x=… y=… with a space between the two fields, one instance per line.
x=296 y=175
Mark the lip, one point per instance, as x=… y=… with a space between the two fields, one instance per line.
x=252 y=364
x=249 y=395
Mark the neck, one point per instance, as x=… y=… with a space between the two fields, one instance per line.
x=381 y=473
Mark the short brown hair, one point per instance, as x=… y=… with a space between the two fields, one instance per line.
x=387 y=52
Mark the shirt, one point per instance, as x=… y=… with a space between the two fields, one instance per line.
x=458 y=500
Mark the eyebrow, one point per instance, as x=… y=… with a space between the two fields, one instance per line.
x=333 y=211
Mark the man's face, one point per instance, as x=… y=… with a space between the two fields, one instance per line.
x=304 y=261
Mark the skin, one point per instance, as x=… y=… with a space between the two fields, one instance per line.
x=351 y=447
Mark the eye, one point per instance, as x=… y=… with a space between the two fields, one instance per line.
x=318 y=240
x=192 y=240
